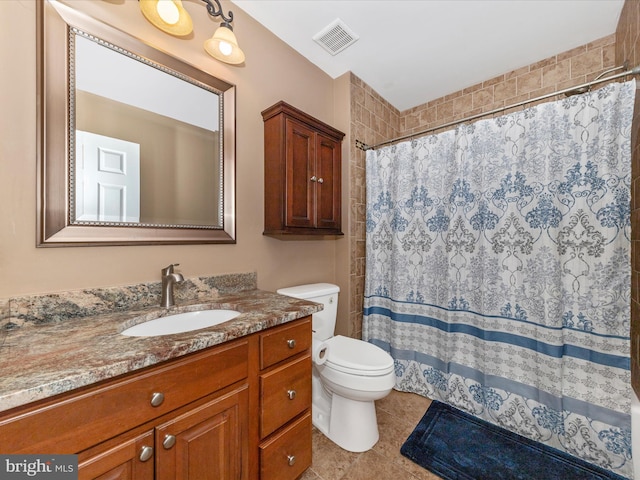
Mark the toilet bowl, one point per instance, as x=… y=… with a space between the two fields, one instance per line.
x=350 y=377
x=355 y=374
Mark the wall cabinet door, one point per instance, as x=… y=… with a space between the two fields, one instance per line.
x=300 y=168
x=328 y=184
x=205 y=443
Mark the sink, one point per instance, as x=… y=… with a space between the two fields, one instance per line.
x=180 y=322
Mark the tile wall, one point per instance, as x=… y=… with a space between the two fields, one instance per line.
x=374 y=120
x=628 y=48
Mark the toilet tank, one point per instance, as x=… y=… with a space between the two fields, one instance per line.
x=324 y=322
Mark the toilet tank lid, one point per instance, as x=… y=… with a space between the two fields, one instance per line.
x=309 y=291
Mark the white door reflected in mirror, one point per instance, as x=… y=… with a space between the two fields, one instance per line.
x=107 y=179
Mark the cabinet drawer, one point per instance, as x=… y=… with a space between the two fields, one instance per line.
x=80 y=419
x=284 y=393
x=284 y=342
x=286 y=455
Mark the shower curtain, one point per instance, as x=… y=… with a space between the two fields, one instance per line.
x=498 y=270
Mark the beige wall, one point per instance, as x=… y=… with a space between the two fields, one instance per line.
x=272 y=72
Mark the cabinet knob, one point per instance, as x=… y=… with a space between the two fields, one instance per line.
x=146 y=453
x=313 y=179
x=291 y=394
x=169 y=441
x=320 y=180
x=291 y=460
x=291 y=343
x=157 y=398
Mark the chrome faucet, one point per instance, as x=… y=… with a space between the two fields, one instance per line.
x=168 y=280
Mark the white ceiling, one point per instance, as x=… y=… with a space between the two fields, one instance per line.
x=413 y=51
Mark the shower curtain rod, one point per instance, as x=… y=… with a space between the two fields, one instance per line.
x=578 y=88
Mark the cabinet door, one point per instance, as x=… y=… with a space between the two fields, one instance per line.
x=126 y=458
x=300 y=188
x=207 y=442
x=327 y=170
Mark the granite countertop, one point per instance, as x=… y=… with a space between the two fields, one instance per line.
x=42 y=360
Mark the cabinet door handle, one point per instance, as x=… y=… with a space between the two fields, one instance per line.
x=146 y=453
x=291 y=343
x=157 y=398
x=291 y=394
x=320 y=180
x=313 y=179
x=291 y=460
x=169 y=441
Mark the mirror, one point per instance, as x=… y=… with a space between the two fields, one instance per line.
x=135 y=146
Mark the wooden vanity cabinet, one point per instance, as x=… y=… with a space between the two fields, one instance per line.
x=205 y=425
x=302 y=168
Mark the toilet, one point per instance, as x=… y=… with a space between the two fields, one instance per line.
x=348 y=375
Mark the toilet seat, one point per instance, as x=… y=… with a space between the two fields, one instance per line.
x=357 y=357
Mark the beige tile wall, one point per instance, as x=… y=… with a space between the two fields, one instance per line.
x=628 y=34
x=374 y=120
x=565 y=70
x=628 y=48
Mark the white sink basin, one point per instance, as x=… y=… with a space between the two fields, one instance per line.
x=180 y=322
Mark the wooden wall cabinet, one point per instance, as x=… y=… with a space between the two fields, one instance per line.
x=237 y=411
x=302 y=168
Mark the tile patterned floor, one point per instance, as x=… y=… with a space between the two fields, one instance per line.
x=398 y=414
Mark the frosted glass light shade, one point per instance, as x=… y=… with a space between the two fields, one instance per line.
x=223 y=46
x=183 y=26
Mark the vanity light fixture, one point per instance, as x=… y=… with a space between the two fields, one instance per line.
x=171 y=17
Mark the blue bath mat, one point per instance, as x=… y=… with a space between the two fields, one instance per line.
x=457 y=446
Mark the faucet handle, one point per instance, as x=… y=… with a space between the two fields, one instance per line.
x=169 y=270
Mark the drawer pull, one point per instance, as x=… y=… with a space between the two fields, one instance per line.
x=157 y=398
x=291 y=460
x=320 y=180
x=169 y=441
x=146 y=453
x=291 y=394
x=291 y=343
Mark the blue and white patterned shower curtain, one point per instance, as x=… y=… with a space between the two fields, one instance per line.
x=498 y=270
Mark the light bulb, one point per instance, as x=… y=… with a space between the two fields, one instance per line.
x=168 y=11
x=225 y=48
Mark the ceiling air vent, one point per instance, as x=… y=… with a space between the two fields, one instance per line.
x=335 y=37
